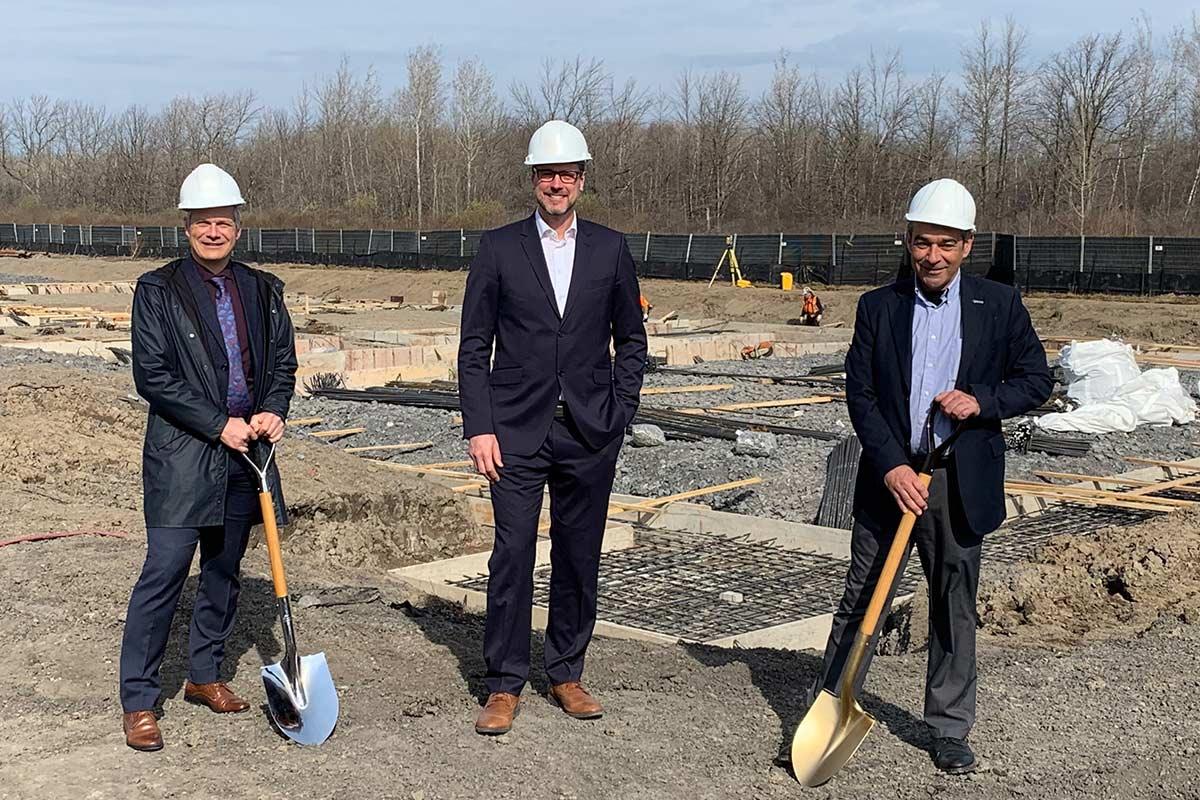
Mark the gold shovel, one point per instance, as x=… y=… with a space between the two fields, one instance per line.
x=835 y=725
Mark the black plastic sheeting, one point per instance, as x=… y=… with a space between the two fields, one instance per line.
x=1125 y=265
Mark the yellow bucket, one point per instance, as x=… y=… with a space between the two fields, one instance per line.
x=785 y=280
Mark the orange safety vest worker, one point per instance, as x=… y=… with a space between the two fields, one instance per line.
x=810 y=305
x=645 y=304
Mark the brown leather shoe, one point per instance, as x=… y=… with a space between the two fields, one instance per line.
x=575 y=700
x=496 y=716
x=141 y=731
x=217 y=696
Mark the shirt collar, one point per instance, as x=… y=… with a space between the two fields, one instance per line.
x=545 y=231
x=951 y=292
x=204 y=275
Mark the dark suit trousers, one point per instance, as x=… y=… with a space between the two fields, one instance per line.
x=580 y=483
x=169 y=553
x=949 y=555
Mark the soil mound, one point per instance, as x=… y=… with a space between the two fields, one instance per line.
x=1120 y=581
x=70 y=445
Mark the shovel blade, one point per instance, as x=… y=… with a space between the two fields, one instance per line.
x=307 y=711
x=827 y=738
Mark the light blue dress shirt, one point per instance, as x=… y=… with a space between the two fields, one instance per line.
x=936 y=353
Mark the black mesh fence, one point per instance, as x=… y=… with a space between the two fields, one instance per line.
x=1131 y=265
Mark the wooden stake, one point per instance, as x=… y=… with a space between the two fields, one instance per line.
x=304 y=422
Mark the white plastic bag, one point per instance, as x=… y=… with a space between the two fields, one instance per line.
x=1114 y=395
x=1096 y=371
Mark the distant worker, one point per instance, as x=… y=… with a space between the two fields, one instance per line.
x=966 y=347
x=813 y=309
x=646 y=307
x=214 y=356
x=549 y=294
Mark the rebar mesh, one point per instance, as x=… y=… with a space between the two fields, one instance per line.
x=670 y=582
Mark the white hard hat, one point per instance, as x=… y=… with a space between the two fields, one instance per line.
x=944 y=202
x=557 y=142
x=209 y=186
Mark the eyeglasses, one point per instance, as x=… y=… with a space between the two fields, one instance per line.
x=567 y=176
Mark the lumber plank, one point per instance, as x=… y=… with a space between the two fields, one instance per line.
x=304 y=422
x=445 y=464
x=1149 y=504
x=338 y=434
x=403 y=447
x=707 y=387
x=1155 y=462
x=1079 y=491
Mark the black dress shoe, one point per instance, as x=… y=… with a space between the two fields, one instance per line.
x=953 y=756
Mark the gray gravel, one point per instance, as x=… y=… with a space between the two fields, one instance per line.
x=8 y=277
x=793 y=476
x=14 y=356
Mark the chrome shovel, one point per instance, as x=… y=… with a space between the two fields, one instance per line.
x=301 y=696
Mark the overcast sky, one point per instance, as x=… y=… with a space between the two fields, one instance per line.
x=119 y=52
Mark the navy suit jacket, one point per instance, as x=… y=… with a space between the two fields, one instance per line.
x=539 y=353
x=1003 y=366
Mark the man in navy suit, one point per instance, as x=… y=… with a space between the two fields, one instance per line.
x=965 y=346
x=549 y=293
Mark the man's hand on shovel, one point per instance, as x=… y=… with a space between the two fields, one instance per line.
x=910 y=494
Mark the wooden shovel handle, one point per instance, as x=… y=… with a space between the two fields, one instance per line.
x=273 y=549
x=896 y=553
x=879 y=596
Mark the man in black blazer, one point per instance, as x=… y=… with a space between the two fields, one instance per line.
x=549 y=293
x=965 y=346
x=214 y=356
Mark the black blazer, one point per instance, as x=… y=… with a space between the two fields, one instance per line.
x=1003 y=366
x=180 y=368
x=539 y=354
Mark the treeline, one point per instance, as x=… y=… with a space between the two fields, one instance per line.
x=1102 y=137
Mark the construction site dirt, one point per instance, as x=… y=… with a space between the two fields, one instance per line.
x=1086 y=651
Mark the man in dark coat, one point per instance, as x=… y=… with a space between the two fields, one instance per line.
x=549 y=293
x=214 y=356
x=965 y=345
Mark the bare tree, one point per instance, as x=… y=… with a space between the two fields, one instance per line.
x=572 y=91
x=29 y=132
x=476 y=116
x=422 y=104
x=1087 y=87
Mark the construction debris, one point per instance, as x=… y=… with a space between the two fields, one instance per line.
x=755 y=443
x=647 y=436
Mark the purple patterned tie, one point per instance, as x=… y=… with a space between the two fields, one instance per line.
x=237 y=397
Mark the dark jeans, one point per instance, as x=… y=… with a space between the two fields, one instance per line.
x=169 y=553
x=580 y=485
x=949 y=555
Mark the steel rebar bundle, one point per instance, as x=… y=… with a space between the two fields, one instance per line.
x=674 y=423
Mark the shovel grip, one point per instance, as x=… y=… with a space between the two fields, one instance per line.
x=273 y=550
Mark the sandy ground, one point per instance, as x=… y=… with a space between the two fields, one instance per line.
x=1088 y=687
x=1161 y=319
x=1110 y=718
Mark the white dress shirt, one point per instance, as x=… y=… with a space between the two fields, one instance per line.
x=560 y=257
